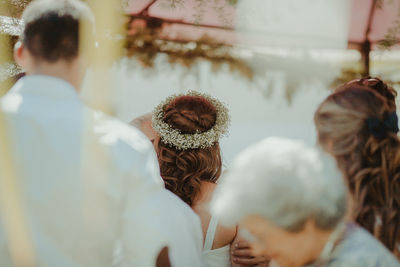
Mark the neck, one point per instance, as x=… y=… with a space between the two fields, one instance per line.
x=320 y=241
x=66 y=70
x=205 y=194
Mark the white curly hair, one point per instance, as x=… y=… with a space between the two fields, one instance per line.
x=286 y=182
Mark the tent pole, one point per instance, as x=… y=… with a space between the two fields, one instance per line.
x=13 y=217
x=365 y=57
x=366 y=45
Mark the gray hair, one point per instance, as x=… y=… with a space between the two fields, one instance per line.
x=286 y=182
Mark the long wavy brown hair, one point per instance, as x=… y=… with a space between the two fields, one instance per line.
x=184 y=170
x=371 y=165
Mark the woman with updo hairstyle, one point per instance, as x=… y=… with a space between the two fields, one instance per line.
x=358 y=125
x=189 y=127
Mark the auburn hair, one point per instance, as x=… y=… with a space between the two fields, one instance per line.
x=370 y=165
x=184 y=170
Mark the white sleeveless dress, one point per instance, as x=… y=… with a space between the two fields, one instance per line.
x=215 y=257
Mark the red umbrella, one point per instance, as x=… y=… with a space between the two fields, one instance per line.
x=372 y=22
x=187 y=20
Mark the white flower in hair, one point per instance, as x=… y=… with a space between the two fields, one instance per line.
x=181 y=141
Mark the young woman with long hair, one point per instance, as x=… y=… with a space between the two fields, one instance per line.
x=189 y=127
x=358 y=125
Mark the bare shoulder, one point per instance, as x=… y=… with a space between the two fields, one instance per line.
x=223 y=235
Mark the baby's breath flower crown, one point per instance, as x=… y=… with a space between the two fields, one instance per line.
x=175 y=138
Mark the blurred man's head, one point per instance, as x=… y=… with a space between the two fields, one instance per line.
x=49 y=44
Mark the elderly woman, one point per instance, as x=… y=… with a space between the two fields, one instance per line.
x=290 y=203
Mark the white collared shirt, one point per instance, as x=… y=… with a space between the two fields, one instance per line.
x=91 y=187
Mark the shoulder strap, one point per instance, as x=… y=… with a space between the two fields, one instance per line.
x=212 y=228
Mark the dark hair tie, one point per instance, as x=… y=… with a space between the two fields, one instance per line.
x=379 y=127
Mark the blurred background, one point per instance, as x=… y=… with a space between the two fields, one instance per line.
x=272 y=62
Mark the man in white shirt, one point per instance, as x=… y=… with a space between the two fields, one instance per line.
x=90 y=184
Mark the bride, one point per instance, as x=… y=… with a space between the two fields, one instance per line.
x=187 y=144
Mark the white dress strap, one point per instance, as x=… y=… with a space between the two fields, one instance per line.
x=212 y=228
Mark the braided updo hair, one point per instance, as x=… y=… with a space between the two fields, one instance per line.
x=184 y=170
x=371 y=165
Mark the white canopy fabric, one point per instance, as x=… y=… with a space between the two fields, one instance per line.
x=298 y=24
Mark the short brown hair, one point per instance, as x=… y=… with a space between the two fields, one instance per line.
x=51 y=31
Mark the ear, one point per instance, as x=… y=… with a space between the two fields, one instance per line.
x=20 y=54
